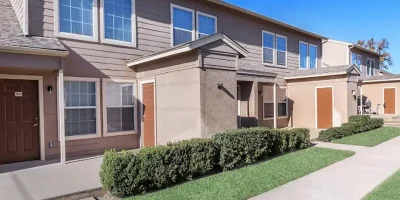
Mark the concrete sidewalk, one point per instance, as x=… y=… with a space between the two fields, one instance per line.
x=51 y=180
x=350 y=179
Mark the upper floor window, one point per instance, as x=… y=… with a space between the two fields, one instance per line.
x=76 y=19
x=356 y=59
x=370 y=67
x=206 y=25
x=308 y=55
x=281 y=50
x=313 y=56
x=303 y=48
x=182 y=24
x=117 y=20
x=268 y=47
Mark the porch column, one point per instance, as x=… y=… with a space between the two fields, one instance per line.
x=61 y=121
x=275 y=107
x=361 y=100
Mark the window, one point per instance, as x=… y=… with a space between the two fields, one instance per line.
x=118 y=22
x=81 y=108
x=356 y=59
x=370 y=67
x=268 y=47
x=76 y=19
x=182 y=25
x=281 y=47
x=268 y=102
x=281 y=99
x=206 y=25
x=303 y=55
x=313 y=56
x=120 y=111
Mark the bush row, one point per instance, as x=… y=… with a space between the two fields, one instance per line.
x=130 y=173
x=357 y=124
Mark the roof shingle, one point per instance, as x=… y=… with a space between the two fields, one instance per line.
x=342 y=69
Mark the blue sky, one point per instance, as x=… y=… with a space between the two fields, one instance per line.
x=346 y=20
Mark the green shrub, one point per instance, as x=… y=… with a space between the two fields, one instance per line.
x=357 y=124
x=129 y=173
x=244 y=146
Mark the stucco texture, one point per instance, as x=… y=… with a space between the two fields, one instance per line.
x=302 y=93
x=374 y=93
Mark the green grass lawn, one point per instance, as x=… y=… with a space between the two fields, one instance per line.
x=370 y=138
x=388 y=190
x=252 y=180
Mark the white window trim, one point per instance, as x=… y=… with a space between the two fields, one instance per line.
x=316 y=56
x=172 y=6
x=287 y=107
x=98 y=119
x=198 y=24
x=372 y=70
x=104 y=89
x=308 y=57
x=273 y=49
x=59 y=34
x=286 y=52
x=103 y=38
x=358 y=56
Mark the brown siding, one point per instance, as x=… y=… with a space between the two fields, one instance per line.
x=153 y=27
x=18 y=6
x=366 y=55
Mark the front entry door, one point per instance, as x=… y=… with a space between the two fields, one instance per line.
x=19 y=121
x=324 y=108
x=389 y=100
x=148 y=115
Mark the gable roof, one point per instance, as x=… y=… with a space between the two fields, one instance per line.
x=12 y=38
x=320 y=72
x=189 y=46
x=265 y=18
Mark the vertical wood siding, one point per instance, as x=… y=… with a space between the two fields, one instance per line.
x=18 y=6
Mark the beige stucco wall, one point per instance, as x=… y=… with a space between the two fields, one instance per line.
x=219 y=106
x=302 y=93
x=374 y=93
x=178 y=105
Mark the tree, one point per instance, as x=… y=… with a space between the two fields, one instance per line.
x=385 y=61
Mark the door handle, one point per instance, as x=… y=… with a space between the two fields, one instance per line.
x=35 y=124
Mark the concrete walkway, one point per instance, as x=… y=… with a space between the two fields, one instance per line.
x=50 y=180
x=350 y=179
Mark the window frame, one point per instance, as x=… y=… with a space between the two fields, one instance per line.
x=307 y=58
x=57 y=24
x=316 y=56
x=286 y=52
x=172 y=6
x=98 y=108
x=198 y=24
x=287 y=106
x=105 y=40
x=104 y=106
x=273 y=48
x=357 y=56
x=372 y=71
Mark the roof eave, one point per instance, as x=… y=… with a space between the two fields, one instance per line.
x=382 y=80
x=315 y=76
x=33 y=51
x=254 y=14
x=366 y=50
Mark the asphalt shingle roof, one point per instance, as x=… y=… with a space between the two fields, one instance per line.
x=320 y=71
x=11 y=32
x=382 y=77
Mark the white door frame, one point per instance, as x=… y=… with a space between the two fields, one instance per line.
x=141 y=83
x=41 y=105
x=395 y=99
x=239 y=106
x=316 y=105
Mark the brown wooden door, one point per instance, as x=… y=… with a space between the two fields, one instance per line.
x=324 y=108
x=148 y=115
x=19 y=121
x=390 y=100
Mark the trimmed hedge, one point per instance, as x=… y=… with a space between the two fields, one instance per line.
x=357 y=124
x=245 y=146
x=130 y=173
